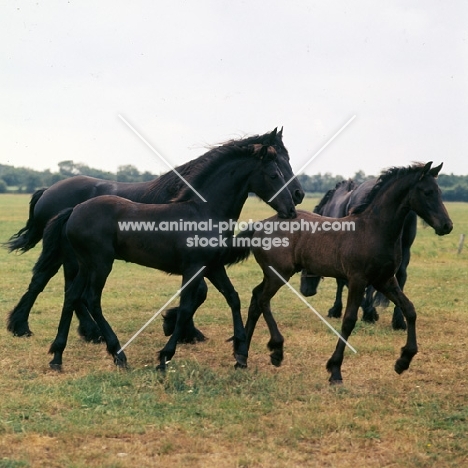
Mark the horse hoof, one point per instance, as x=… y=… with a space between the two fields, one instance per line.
x=238 y=365
x=23 y=333
x=336 y=382
x=94 y=339
x=120 y=364
x=276 y=360
x=334 y=314
x=368 y=319
x=161 y=368
x=399 y=325
x=56 y=367
x=401 y=365
x=241 y=361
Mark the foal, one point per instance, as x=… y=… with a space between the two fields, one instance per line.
x=369 y=255
x=94 y=234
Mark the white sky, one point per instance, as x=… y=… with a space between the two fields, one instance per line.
x=191 y=73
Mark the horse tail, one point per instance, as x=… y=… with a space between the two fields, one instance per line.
x=380 y=300
x=27 y=237
x=239 y=249
x=51 y=255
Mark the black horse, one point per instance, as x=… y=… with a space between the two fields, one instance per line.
x=371 y=254
x=93 y=231
x=46 y=203
x=337 y=203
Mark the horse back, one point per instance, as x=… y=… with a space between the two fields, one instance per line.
x=69 y=193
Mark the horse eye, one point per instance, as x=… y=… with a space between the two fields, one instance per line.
x=274 y=176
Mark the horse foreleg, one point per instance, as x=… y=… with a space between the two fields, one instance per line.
x=254 y=313
x=223 y=284
x=355 y=293
x=392 y=290
x=185 y=313
x=398 y=321
x=276 y=342
x=260 y=304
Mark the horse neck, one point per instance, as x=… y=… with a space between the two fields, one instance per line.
x=391 y=206
x=225 y=189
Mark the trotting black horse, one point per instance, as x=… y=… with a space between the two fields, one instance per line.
x=337 y=203
x=46 y=203
x=371 y=254
x=96 y=238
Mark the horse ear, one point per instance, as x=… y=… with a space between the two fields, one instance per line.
x=426 y=169
x=280 y=133
x=435 y=170
x=269 y=139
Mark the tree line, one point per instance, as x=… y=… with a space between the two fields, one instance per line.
x=24 y=180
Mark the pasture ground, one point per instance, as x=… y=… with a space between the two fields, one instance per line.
x=203 y=413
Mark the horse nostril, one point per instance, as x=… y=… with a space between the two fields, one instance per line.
x=298 y=196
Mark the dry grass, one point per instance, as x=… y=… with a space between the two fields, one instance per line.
x=203 y=413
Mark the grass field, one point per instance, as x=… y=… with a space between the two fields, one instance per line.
x=203 y=413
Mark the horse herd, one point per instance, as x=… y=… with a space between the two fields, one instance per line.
x=79 y=219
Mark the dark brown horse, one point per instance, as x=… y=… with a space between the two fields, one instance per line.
x=47 y=203
x=94 y=230
x=369 y=255
x=337 y=203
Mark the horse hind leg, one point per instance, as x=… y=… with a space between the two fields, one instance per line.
x=337 y=308
x=87 y=327
x=370 y=313
x=18 y=318
x=72 y=296
x=191 y=334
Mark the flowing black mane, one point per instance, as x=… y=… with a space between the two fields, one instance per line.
x=217 y=158
x=350 y=185
x=385 y=177
x=171 y=183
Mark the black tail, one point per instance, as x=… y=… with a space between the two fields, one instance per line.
x=27 y=237
x=51 y=244
x=240 y=248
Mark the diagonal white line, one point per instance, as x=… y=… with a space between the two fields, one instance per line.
x=313 y=310
x=159 y=155
x=161 y=309
x=312 y=158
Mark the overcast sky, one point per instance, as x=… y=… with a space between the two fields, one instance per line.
x=187 y=74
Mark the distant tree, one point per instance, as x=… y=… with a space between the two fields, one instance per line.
x=147 y=176
x=3 y=186
x=359 y=177
x=128 y=173
x=33 y=181
x=67 y=168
